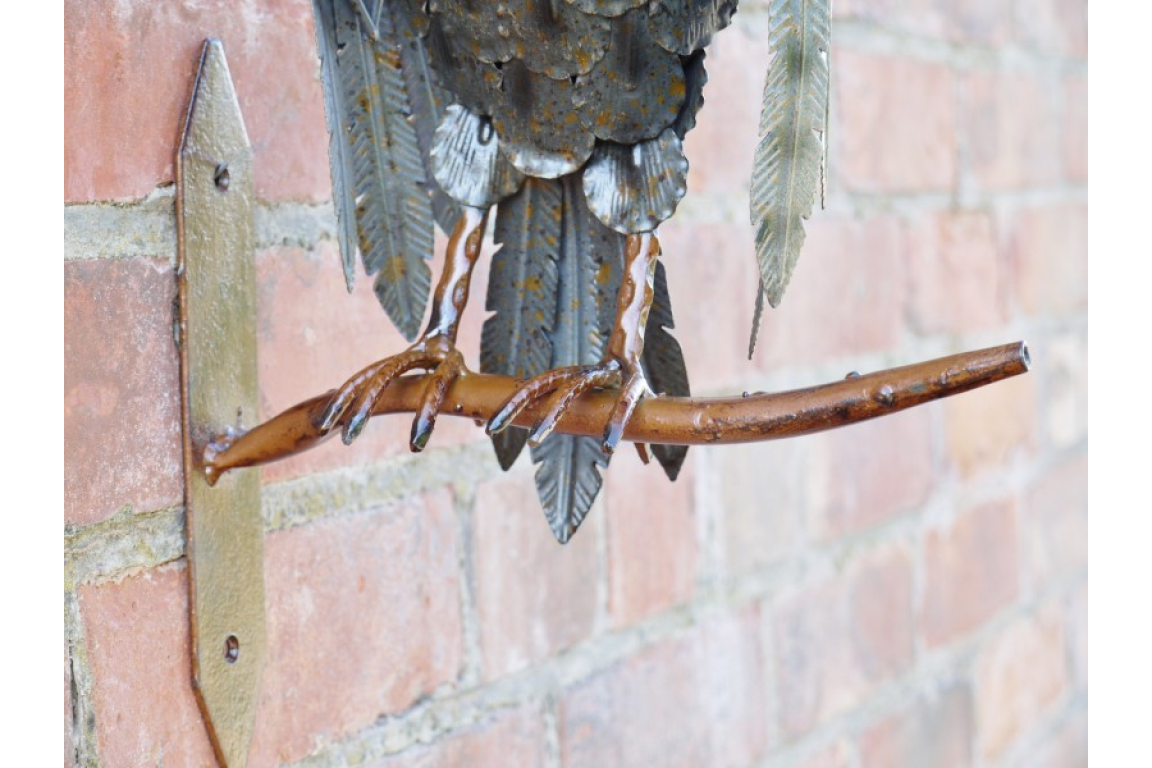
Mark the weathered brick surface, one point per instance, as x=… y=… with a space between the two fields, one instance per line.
x=1011 y=129
x=364 y=618
x=313 y=336
x=870 y=473
x=1020 y=673
x=129 y=68
x=935 y=732
x=1056 y=516
x=958 y=279
x=908 y=592
x=653 y=550
x=694 y=701
x=534 y=597
x=836 y=640
x=899 y=117
x=121 y=389
x=1049 y=250
x=511 y=740
x=971 y=570
x=985 y=429
x=138 y=647
x=1076 y=128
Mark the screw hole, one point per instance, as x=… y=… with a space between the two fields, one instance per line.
x=231 y=649
x=222 y=177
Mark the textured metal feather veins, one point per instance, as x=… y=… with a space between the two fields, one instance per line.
x=516 y=340
x=467 y=162
x=428 y=100
x=568 y=477
x=684 y=26
x=632 y=188
x=664 y=366
x=378 y=170
x=789 y=158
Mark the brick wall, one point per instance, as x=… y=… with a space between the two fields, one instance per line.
x=909 y=592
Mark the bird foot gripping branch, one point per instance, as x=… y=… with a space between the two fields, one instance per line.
x=565 y=129
x=567 y=118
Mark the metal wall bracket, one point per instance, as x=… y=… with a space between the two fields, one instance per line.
x=217 y=339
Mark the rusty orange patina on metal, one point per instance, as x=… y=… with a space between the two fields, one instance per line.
x=659 y=420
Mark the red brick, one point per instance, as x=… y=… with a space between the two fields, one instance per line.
x=1068 y=749
x=1011 y=129
x=986 y=427
x=1049 y=249
x=1054 y=26
x=1076 y=127
x=138 y=647
x=896 y=123
x=509 y=740
x=934 y=733
x=1056 y=517
x=985 y=21
x=652 y=545
x=313 y=336
x=970 y=571
x=121 y=389
x=839 y=755
x=1020 y=675
x=712 y=279
x=128 y=76
x=837 y=640
x=69 y=743
x=847 y=296
x=958 y=280
x=534 y=597
x=1063 y=364
x=691 y=701
x=874 y=471
x=721 y=146
x=1076 y=615
x=759 y=489
x=364 y=618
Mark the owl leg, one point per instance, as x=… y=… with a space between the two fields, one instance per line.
x=435 y=351
x=619 y=369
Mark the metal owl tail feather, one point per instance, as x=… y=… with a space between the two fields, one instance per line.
x=553 y=288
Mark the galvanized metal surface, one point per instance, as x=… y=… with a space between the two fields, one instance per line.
x=540 y=131
x=632 y=188
x=379 y=182
x=467 y=162
x=684 y=26
x=217 y=333
x=635 y=91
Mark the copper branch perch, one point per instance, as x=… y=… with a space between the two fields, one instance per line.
x=661 y=420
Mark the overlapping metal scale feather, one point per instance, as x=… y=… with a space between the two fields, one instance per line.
x=569 y=84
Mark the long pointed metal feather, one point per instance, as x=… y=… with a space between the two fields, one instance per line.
x=789 y=158
x=516 y=340
x=428 y=101
x=377 y=167
x=664 y=367
x=568 y=477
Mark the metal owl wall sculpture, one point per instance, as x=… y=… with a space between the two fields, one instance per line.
x=567 y=117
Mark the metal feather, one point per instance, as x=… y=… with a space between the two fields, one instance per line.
x=516 y=340
x=568 y=477
x=663 y=363
x=789 y=158
x=428 y=99
x=378 y=176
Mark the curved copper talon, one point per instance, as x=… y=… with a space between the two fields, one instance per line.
x=360 y=393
